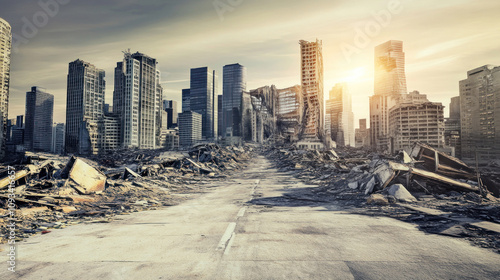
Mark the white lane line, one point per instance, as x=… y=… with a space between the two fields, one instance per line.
x=229 y=244
x=242 y=212
x=227 y=235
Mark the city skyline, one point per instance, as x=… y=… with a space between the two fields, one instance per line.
x=434 y=62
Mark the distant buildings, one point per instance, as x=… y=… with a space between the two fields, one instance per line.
x=39 y=117
x=452 y=132
x=390 y=82
x=234 y=84
x=5 y=50
x=362 y=135
x=190 y=128
x=339 y=107
x=84 y=107
x=170 y=106
x=414 y=119
x=58 y=138
x=15 y=142
x=480 y=113
x=109 y=128
x=290 y=111
x=137 y=100
x=311 y=56
x=202 y=99
x=220 y=116
x=186 y=103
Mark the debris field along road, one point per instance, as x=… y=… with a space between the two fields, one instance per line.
x=247 y=229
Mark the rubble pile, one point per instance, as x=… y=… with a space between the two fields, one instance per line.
x=425 y=170
x=54 y=192
x=374 y=184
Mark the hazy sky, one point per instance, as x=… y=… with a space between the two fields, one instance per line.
x=442 y=40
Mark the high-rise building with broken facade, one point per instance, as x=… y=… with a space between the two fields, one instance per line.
x=202 y=92
x=390 y=81
x=233 y=85
x=339 y=107
x=290 y=111
x=137 y=100
x=415 y=119
x=311 y=56
x=5 y=49
x=480 y=113
x=362 y=135
x=39 y=120
x=84 y=107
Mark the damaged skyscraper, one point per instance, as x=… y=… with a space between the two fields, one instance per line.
x=84 y=107
x=137 y=100
x=5 y=47
x=339 y=108
x=311 y=55
x=259 y=113
x=480 y=113
x=415 y=119
x=390 y=82
x=290 y=111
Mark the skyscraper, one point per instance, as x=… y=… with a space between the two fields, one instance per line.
x=220 y=118
x=390 y=83
x=137 y=100
x=186 y=103
x=390 y=76
x=202 y=95
x=190 y=128
x=311 y=55
x=58 y=138
x=415 y=119
x=170 y=106
x=5 y=49
x=339 y=106
x=290 y=111
x=452 y=127
x=84 y=107
x=39 y=116
x=480 y=113
x=234 y=84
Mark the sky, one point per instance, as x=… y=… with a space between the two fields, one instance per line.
x=442 y=41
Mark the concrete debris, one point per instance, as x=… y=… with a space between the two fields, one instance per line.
x=377 y=199
x=378 y=184
x=401 y=193
x=56 y=191
x=86 y=178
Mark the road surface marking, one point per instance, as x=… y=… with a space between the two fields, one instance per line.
x=227 y=235
x=242 y=212
x=229 y=244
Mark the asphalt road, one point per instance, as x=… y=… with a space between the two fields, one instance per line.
x=218 y=235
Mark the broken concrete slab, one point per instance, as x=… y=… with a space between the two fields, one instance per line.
x=401 y=193
x=86 y=178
